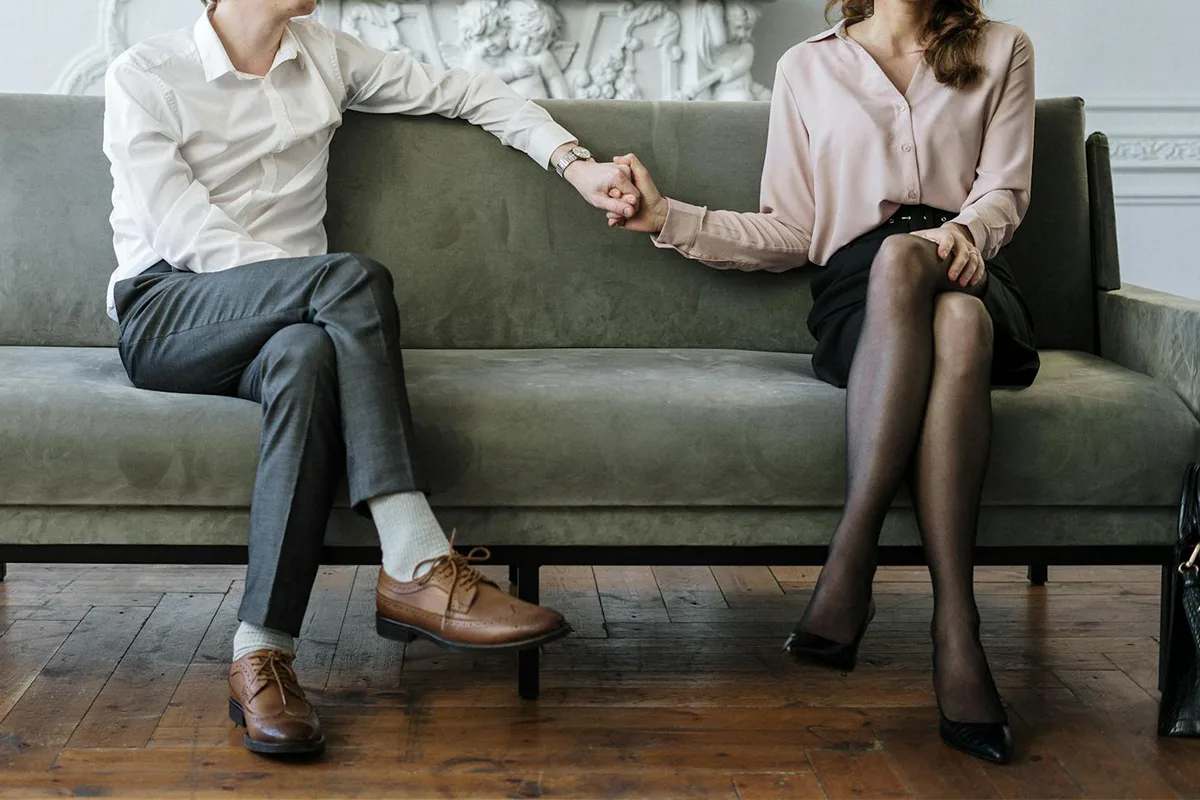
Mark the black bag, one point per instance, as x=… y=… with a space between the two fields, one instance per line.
x=1179 y=709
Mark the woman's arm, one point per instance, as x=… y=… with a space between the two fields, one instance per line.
x=775 y=239
x=1000 y=195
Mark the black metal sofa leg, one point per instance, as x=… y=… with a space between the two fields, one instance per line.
x=1037 y=574
x=528 y=661
x=1164 y=623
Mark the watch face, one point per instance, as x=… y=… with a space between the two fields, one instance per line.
x=582 y=152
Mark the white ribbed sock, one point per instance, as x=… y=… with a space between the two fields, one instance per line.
x=409 y=533
x=250 y=637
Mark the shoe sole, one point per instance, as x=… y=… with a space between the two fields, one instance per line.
x=402 y=632
x=238 y=715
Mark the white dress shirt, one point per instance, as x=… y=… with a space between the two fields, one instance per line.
x=215 y=169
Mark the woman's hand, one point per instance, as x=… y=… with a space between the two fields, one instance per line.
x=608 y=187
x=954 y=241
x=652 y=213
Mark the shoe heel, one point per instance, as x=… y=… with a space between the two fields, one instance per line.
x=236 y=714
x=393 y=630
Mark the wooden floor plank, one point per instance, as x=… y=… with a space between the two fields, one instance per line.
x=868 y=773
x=217 y=645
x=747 y=587
x=24 y=651
x=687 y=587
x=131 y=703
x=364 y=660
x=630 y=594
x=778 y=786
x=322 y=627
x=572 y=592
x=52 y=706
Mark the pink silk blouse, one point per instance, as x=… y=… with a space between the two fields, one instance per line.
x=845 y=149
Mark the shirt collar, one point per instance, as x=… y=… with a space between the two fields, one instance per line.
x=216 y=61
x=837 y=30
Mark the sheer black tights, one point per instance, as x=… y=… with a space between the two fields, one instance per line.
x=918 y=404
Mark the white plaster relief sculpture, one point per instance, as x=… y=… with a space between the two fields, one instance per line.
x=725 y=53
x=515 y=40
x=85 y=71
x=615 y=76
x=602 y=49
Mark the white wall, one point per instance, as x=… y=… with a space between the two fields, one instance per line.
x=1134 y=61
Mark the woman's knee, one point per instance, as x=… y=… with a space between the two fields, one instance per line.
x=962 y=332
x=904 y=263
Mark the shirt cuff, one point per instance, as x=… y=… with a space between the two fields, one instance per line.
x=681 y=227
x=979 y=232
x=545 y=140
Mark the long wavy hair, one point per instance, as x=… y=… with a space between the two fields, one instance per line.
x=953 y=35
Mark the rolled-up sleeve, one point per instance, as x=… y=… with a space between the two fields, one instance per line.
x=999 y=197
x=396 y=83
x=172 y=210
x=779 y=236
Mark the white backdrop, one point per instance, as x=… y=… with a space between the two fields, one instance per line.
x=1134 y=61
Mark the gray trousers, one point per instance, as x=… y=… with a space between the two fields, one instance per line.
x=316 y=341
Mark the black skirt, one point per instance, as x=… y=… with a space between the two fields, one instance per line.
x=840 y=302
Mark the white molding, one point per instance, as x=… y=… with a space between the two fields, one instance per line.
x=1157 y=200
x=1184 y=104
x=1175 y=152
x=88 y=67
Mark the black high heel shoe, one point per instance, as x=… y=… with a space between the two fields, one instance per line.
x=843 y=657
x=991 y=741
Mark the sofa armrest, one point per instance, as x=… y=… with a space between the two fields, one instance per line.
x=1155 y=333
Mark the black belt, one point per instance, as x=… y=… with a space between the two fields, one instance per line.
x=923 y=214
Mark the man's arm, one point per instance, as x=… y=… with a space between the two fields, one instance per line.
x=172 y=209
x=396 y=83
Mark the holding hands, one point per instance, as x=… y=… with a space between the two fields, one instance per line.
x=954 y=241
x=608 y=187
x=651 y=215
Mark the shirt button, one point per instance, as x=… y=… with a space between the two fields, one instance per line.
x=907 y=148
x=912 y=194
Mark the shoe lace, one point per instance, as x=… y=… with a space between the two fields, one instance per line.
x=279 y=664
x=463 y=574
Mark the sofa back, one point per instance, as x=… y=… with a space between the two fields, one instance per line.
x=491 y=252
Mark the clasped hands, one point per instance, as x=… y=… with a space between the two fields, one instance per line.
x=635 y=204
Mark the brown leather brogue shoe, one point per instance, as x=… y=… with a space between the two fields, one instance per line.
x=456 y=606
x=266 y=699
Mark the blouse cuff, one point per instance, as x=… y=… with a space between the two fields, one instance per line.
x=681 y=226
x=969 y=218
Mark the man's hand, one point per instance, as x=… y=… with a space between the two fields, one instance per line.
x=652 y=214
x=608 y=187
x=954 y=241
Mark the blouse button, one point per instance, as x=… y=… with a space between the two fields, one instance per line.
x=912 y=194
x=907 y=148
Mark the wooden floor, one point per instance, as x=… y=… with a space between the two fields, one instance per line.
x=112 y=683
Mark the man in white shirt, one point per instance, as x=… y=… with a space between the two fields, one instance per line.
x=219 y=141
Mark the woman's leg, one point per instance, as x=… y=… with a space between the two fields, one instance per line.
x=886 y=396
x=947 y=481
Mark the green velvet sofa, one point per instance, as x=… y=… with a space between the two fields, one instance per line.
x=580 y=396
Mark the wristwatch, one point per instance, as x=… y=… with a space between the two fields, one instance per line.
x=576 y=153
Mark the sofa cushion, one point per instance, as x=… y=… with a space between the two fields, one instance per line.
x=554 y=428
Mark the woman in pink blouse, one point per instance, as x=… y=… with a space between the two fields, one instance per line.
x=899 y=159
